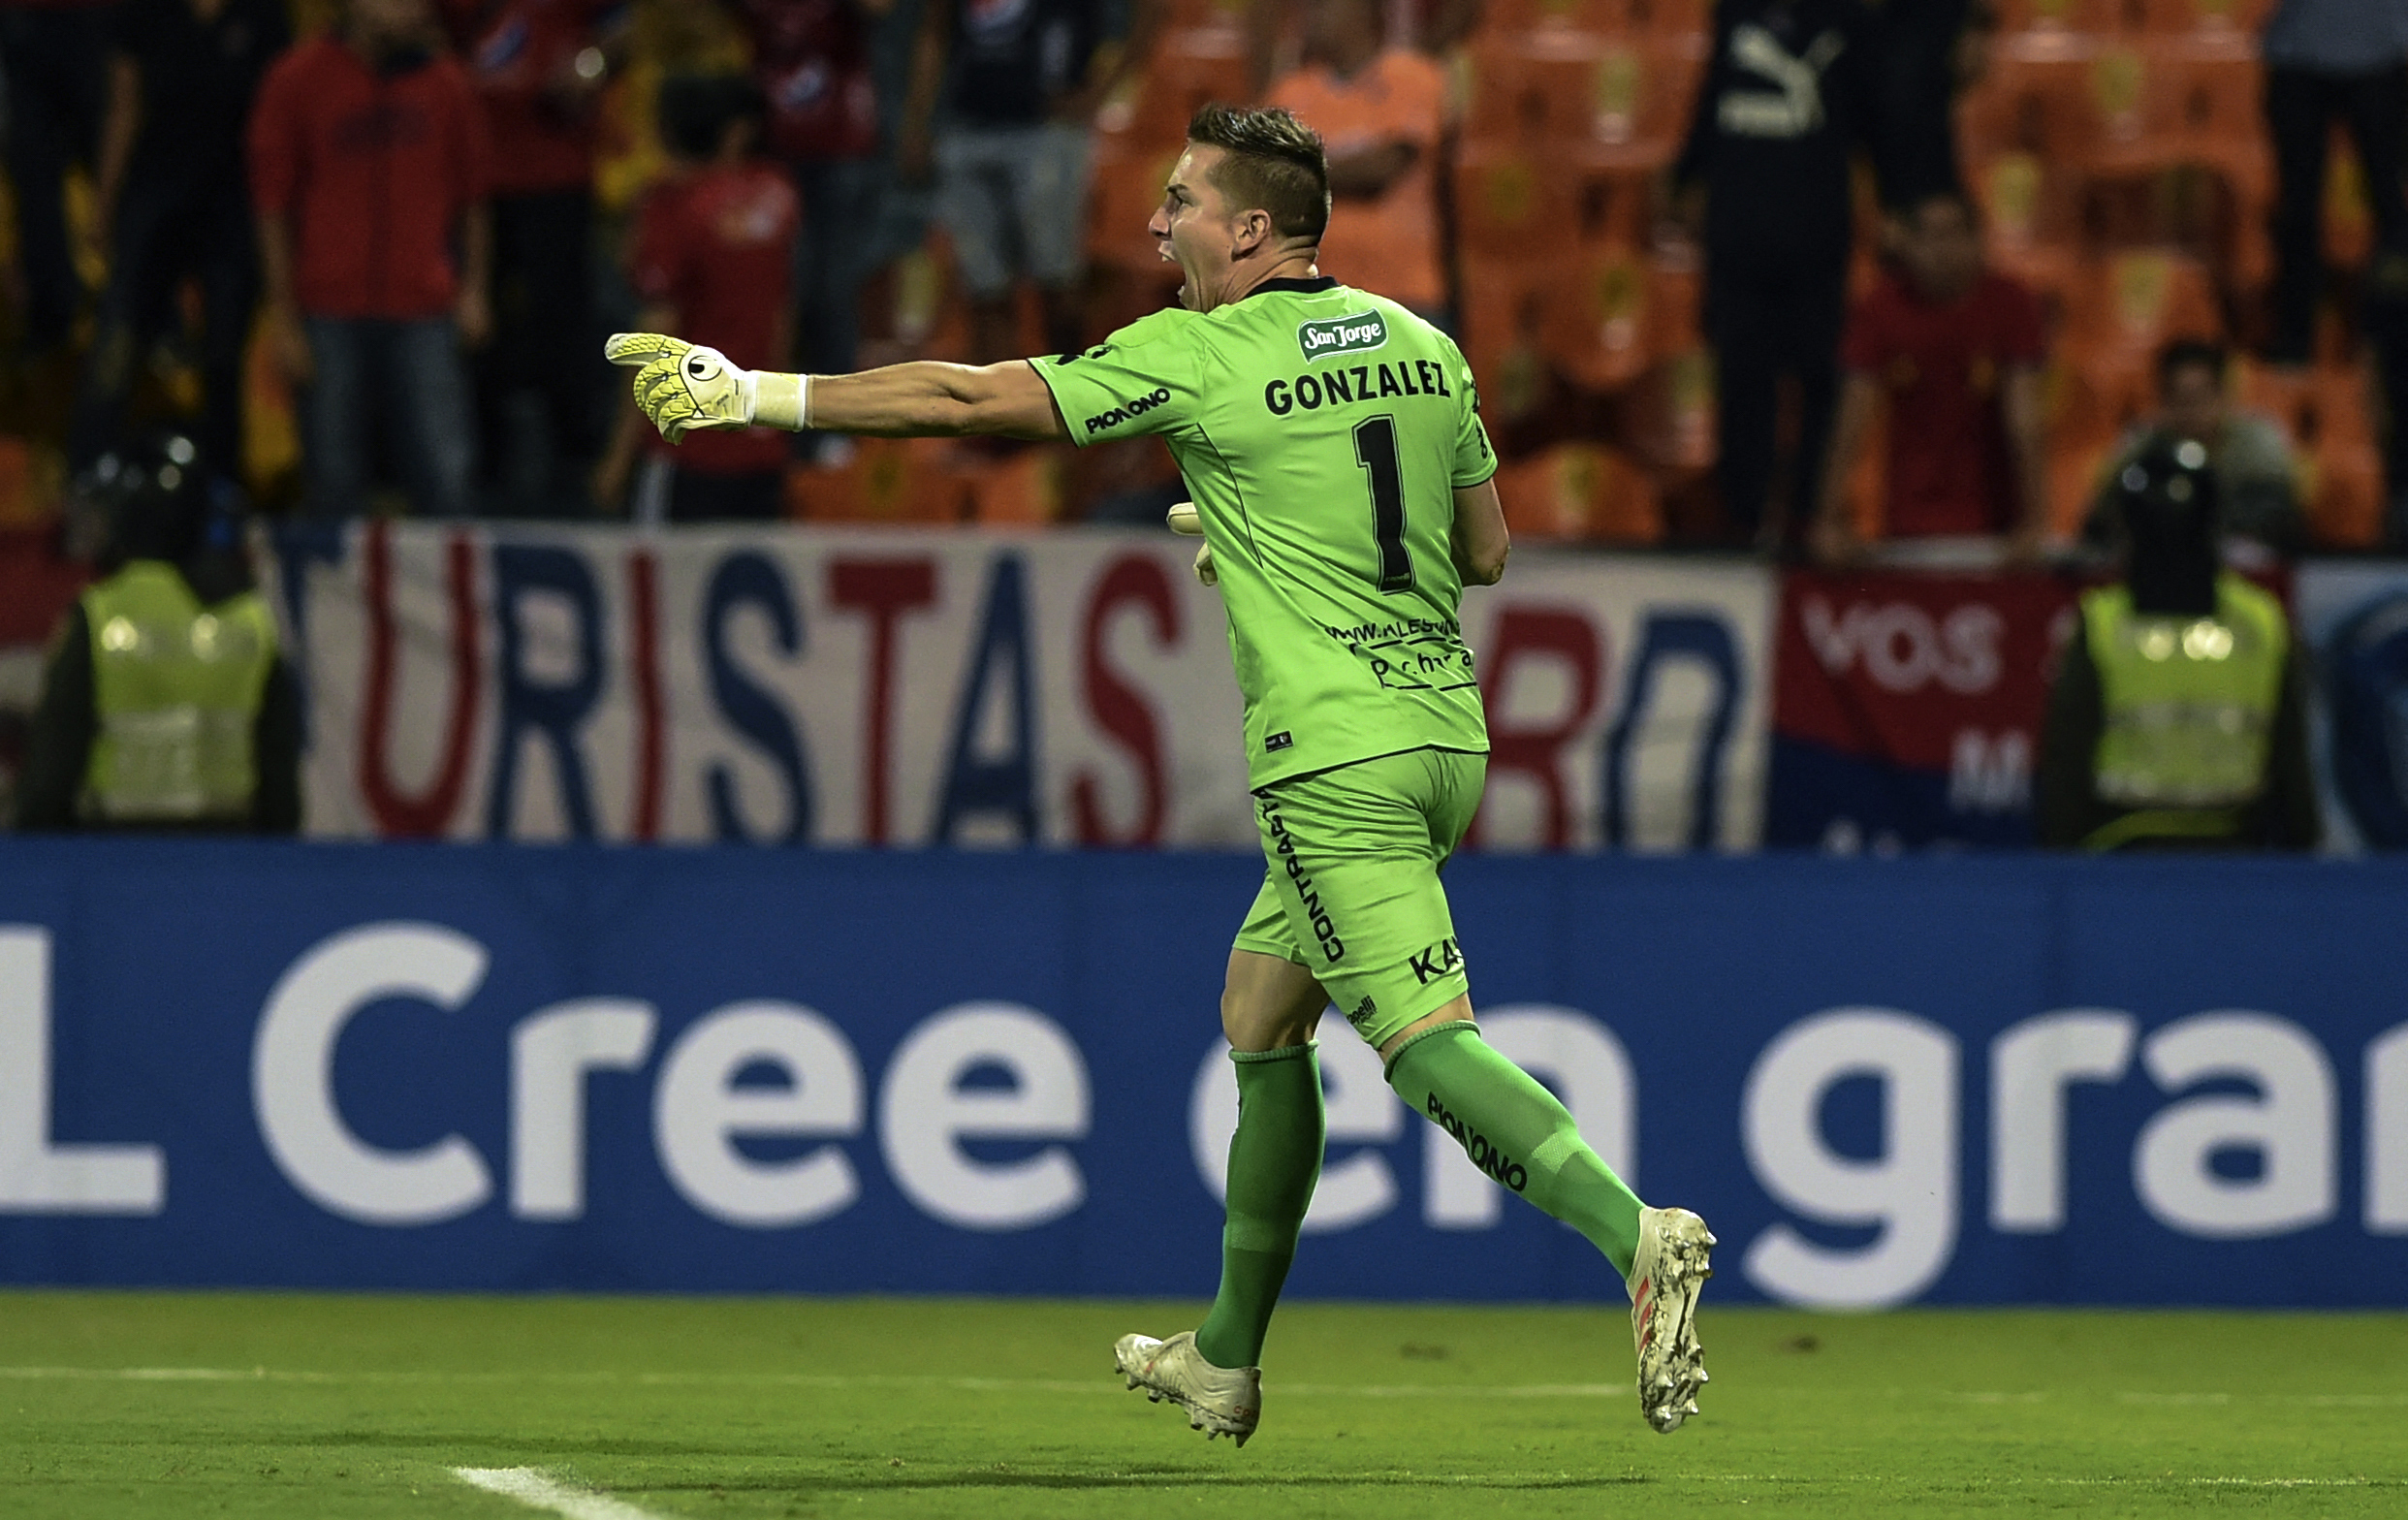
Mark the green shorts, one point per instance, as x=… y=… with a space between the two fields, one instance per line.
x=1351 y=891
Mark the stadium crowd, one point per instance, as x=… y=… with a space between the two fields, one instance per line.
x=1806 y=275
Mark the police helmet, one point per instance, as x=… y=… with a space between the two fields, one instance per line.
x=2167 y=501
x=155 y=495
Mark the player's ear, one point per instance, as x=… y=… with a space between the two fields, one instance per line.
x=1254 y=230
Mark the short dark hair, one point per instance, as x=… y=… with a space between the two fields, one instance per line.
x=1275 y=161
x=2190 y=353
x=696 y=110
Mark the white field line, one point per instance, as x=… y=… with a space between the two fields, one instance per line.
x=534 y=1487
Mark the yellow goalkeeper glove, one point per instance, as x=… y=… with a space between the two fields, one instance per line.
x=682 y=387
x=1187 y=522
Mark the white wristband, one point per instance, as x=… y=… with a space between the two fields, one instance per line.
x=778 y=399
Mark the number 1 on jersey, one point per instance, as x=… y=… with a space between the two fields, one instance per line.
x=1374 y=449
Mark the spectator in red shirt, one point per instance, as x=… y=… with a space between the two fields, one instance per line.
x=368 y=160
x=1952 y=351
x=539 y=67
x=713 y=263
x=50 y=54
x=811 y=59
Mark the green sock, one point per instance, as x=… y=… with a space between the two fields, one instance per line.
x=1515 y=1131
x=1274 y=1161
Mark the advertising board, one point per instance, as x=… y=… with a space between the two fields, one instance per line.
x=1949 y=1081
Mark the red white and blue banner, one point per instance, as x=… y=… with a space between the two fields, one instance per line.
x=1907 y=706
x=1073 y=688
x=916 y=688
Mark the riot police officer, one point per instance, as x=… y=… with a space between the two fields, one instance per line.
x=167 y=704
x=2178 y=718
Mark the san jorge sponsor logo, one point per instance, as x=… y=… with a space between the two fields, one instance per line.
x=1136 y=406
x=1356 y=335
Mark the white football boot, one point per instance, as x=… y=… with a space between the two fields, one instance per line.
x=1219 y=1401
x=1672 y=1266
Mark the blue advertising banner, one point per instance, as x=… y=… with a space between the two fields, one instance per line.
x=2008 y=1080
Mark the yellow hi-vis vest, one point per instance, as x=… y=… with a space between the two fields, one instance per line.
x=2189 y=706
x=177 y=687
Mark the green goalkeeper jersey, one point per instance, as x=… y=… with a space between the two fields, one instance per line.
x=1323 y=433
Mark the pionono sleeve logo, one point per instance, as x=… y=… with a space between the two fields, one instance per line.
x=1354 y=334
x=1130 y=411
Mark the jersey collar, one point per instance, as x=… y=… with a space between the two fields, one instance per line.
x=1310 y=287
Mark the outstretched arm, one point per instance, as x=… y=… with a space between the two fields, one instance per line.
x=927 y=399
x=681 y=386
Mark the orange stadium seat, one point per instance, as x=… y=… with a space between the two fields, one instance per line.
x=2330 y=413
x=2124 y=307
x=2091 y=405
x=2205 y=17
x=2073 y=471
x=1511 y=202
x=1616 y=310
x=1123 y=193
x=1581 y=491
x=1599 y=333
x=1600 y=101
x=914 y=308
x=1600 y=17
x=2282 y=394
x=1676 y=290
x=2130 y=114
x=2315 y=407
x=1666 y=418
x=1502 y=18
x=2220 y=114
x=2150 y=106
x=1644 y=93
x=2342 y=490
x=2028 y=101
x=888 y=481
x=2030 y=219
x=1534 y=89
x=1189 y=70
x=1615 y=206
x=1693 y=20
x=2344 y=495
x=2088 y=406
x=2023 y=19
x=1023 y=488
x=1507 y=307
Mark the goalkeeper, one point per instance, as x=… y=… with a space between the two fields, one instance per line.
x=1341 y=482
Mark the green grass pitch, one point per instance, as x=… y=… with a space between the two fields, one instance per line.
x=141 y=1404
